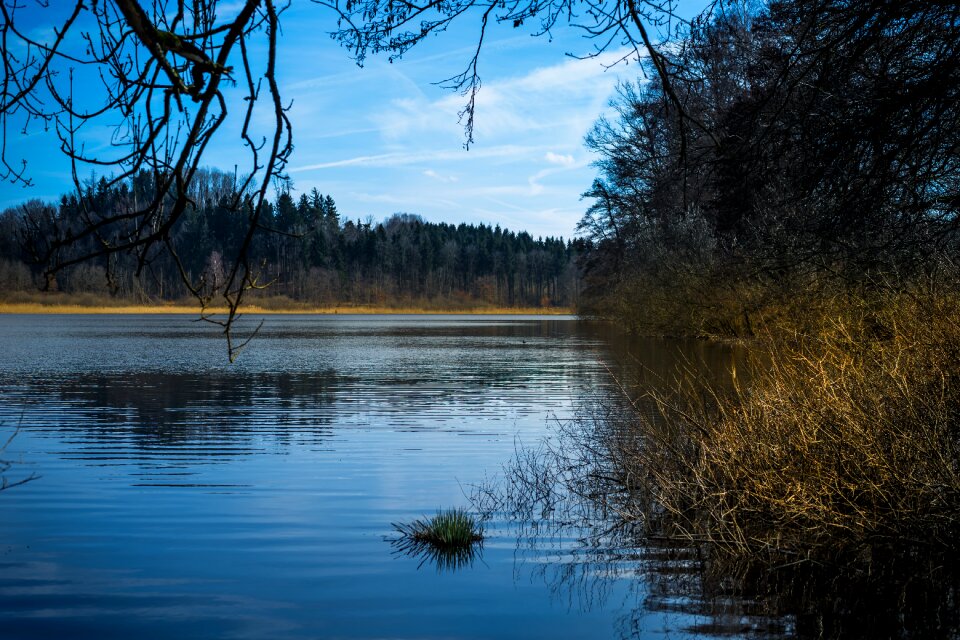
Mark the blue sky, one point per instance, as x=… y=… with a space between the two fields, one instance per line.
x=385 y=139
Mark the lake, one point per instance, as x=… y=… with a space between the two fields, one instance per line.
x=180 y=496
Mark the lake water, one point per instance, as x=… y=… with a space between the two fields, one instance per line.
x=180 y=496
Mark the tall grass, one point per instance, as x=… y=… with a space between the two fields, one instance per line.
x=448 y=529
x=92 y=303
x=838 y=439
x=65 y=303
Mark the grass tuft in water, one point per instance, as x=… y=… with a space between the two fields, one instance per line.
x=450 y=540
x=450 y=529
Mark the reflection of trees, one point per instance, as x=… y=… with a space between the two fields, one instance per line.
x=400 y=370
x=169 y=408
x=403 y=372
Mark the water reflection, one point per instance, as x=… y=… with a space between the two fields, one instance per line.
x=443 y=559
x=182 y=497
x=172 y=407
x=887 y=592
x=903 y=592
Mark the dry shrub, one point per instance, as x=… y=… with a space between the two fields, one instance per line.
x=839 y=440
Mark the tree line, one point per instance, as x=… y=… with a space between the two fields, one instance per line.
x=304 y=250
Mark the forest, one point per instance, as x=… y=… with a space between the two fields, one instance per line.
x=305 y=253
x=792 y=152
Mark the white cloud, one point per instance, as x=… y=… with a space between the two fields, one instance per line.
x=562 y=99
x=577 y=75
x=565 y=160
x=430 y=173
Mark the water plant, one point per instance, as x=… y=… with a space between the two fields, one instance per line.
x=449 y=540
x=449 y=529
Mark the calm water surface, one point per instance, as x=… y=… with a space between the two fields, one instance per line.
x=183 y=497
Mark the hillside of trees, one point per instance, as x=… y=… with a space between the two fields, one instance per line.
x=304 y=251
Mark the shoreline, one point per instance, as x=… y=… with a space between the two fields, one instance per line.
x=28 y=308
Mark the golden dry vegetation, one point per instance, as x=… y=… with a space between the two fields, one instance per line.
x=835 y=439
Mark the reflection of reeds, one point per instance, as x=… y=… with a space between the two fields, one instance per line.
x=444 y=559
x=450 y=540
x=5 y=466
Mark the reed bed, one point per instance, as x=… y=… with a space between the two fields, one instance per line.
x=837 y=440
x=833 y=442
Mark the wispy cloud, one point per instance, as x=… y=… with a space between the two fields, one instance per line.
x=430 y=173
x=400 y=158
x=565 y=160
x=565 y=97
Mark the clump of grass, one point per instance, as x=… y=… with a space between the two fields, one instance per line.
x=450 y=540
x=449 y=529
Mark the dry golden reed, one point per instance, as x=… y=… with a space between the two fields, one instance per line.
x=835 y=440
